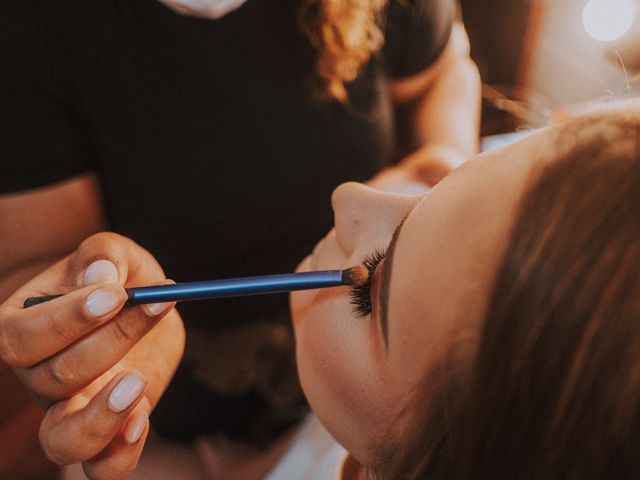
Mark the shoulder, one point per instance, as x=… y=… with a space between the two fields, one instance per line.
x=25 y=24
x=39 y=99
x=25 y=42
x=18 y=25
x=416 y=33
x=420 y=10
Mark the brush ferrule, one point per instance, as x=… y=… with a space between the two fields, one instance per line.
x=355 y=276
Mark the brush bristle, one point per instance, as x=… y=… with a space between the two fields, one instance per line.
x=355 y=276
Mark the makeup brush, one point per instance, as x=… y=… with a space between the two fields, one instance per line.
x=236 y=287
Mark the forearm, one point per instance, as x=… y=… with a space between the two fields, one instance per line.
x=41 y=226
x=448 y=117
x=438 y=113
x=10 y=281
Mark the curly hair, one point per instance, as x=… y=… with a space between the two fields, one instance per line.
x=346 y=33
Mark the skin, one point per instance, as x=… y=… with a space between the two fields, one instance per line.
x=71 y=360
x=51 y=235
x=444 y=260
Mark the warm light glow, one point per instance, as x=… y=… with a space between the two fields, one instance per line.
x=607 y=20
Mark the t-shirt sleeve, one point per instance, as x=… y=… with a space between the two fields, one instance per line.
x=42 y=141
x=416 y=33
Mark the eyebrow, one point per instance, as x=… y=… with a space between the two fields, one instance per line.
x=385 y=280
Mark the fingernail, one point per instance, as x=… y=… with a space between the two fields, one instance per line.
x=102 y=301
x=126 y=391
x=154 y=309
x=100 y=271
x=136 y=426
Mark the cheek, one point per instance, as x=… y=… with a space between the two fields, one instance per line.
x=301 y=300
x=339 y=366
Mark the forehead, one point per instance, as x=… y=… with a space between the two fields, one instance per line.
x=448 y=251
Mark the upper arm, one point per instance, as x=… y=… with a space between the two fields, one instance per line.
x=44 y=143
x=456 y=53
x=49 y=222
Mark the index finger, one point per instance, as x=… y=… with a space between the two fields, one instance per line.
x=28 y=336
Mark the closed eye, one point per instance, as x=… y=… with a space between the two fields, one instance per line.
x=361 y=295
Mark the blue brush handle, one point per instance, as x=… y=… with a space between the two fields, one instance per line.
x=234 y=287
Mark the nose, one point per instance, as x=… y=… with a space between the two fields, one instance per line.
x=367 y=217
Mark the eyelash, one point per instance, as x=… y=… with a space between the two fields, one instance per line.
x=361 y=295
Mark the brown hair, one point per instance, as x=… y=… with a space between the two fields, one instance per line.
x=346 y=34
x=554 y=388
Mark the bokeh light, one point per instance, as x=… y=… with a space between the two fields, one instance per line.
x=608 y=20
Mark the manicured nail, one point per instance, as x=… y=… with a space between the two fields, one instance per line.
x=154 y=309
x=100 y=271
x=136 y=426
x=126 y=391
x=102 y=301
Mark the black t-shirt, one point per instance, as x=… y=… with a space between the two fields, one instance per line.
x=211 y=150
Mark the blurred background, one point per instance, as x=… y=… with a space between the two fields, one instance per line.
x=540 y=60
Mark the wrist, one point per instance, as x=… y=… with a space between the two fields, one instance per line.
x=398 y=180
x=431 y=163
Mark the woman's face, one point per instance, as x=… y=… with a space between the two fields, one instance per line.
x=428 y=296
